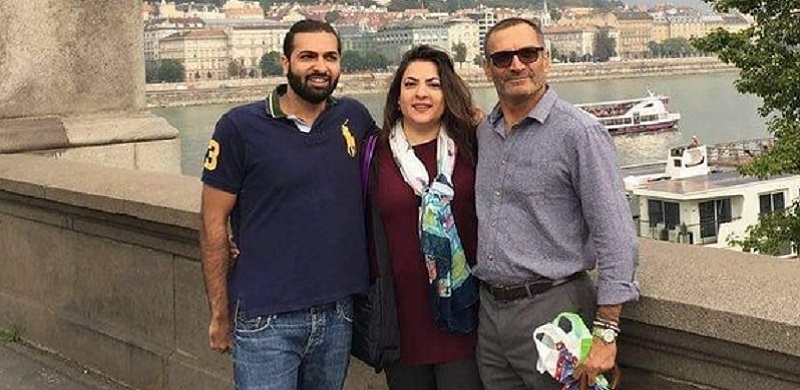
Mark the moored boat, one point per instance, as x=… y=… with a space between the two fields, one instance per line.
x=692 y=204
x=648 y=114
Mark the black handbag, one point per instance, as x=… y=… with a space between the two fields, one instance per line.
x=376 y=334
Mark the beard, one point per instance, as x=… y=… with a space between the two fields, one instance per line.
x=309 y=93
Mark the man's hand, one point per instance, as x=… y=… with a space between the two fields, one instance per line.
x=602 y=358
x=219 y=334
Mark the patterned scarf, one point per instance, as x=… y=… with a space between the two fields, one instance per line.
x=441 y=247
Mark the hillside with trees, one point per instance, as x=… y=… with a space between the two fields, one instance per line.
x=445 y=5
x=452 y=5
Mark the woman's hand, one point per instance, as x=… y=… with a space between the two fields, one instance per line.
x=477 y=115
x=233 y=250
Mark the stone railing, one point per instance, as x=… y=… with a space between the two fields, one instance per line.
x=101 y=266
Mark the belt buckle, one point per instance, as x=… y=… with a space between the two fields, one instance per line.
x=498 y=291
x=509 y=293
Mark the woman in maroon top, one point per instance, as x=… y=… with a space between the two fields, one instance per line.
x=428 y=131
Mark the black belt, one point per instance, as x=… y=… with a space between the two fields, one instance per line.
x=525 y=290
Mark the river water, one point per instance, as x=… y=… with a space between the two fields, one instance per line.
x=710 y=107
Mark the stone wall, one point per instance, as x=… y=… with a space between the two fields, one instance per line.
x=70 y=57
x=73 y=87
x=101 y=265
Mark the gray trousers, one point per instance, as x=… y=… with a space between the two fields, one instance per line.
x=457 y=375
x=506 y=352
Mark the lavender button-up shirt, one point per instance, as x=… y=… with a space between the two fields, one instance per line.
x=550 y=201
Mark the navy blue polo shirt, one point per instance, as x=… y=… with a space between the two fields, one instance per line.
x=298 y=218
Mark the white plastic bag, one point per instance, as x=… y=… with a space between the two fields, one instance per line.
x=560 y=349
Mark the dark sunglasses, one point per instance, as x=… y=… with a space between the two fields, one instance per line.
x=526 y=55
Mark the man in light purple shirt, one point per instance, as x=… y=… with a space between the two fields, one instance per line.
x=551 y=205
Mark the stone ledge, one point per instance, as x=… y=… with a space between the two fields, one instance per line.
x=157 y=197
x=101 y=130
x=723 y=294
x=31 y=134
x=47 y=133
x=668 y=355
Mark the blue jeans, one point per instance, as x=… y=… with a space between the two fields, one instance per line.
x=307 y=349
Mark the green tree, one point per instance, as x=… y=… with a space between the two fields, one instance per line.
x=270 y=64
x=151 y=71
x=460 y=52
x=555 y=14
x=171 y=71
x=768 y=56
x=655 y=48
x=234 y=68
x=604 y=45
x=451 y=6
x=375 y=61
x=573 y=56
x=332 y=17
x=677 y=47
x=352 y=61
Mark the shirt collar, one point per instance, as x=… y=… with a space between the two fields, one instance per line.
x=274 y=105
x=539 y=113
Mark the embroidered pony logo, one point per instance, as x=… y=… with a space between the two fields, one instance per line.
x=349 y=140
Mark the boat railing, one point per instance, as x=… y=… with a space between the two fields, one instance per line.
x=706 y=232
x=608 y=110
x=738 y=152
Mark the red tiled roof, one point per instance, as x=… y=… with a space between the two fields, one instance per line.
x=197 y=34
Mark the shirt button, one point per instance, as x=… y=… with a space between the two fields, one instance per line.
x=490 y=257
x=502 y=162
x=497 y=193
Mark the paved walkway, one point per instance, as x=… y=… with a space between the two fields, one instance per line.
x=25 y=368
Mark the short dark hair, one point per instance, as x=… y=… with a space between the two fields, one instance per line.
x=506 y=23
x=458 y=116
x=308 y=26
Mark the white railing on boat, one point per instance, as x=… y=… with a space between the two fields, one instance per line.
x=737 y=152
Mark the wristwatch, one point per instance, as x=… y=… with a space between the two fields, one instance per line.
x=605 y=335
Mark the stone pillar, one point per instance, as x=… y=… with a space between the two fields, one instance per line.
x=72 y=85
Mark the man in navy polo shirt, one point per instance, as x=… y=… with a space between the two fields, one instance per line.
x=284 y=172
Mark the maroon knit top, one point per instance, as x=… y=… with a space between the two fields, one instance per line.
x=421 y=340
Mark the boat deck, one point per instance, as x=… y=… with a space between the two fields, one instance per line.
x=699 y=184
x=643 y=169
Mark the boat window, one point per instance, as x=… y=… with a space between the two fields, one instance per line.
x=667 y=213
x=712 y=214
x=772 y=202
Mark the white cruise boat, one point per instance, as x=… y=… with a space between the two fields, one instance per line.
x=691 y=204
x=630 y=116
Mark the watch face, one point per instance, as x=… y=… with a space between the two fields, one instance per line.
x=608 y=336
